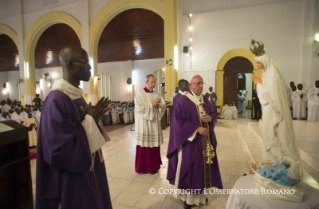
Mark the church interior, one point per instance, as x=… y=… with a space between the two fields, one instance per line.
x=126 y=40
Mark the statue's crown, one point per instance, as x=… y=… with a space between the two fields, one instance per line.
x=257 y=47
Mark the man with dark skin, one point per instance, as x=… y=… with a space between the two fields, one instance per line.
x=4 y=116
x=70 y=165
x=299 y=99
x=212 y=98
x=313 y=102
x=182 y=86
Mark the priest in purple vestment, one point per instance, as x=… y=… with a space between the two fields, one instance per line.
x=182 y=86
x=187 y=167
x=212 y=98
x=70 y=169
x=149 y=109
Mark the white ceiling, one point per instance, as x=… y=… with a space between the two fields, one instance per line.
x=198 y=6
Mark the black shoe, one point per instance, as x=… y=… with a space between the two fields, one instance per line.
x=186 y=206
x=154 y=173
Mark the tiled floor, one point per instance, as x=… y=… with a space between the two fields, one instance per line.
x=131 y=190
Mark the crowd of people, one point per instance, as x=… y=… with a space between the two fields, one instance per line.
x=303 y=104
x=29 y=116
x=117 y=111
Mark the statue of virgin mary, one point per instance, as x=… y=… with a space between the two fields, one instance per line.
x=281 y=168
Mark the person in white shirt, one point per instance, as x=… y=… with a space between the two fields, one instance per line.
x=241 y=102
x=38 y=115
x=6 y=107
x=313 y=102
x=5 y=117
x=289 y=95
x=299 y=103
x=15 y=116
x=126 y=115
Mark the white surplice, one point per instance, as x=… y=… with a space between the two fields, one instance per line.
x=148 y=130
x=115 y=116
x=241 y=103
x=16 y=117
x=299 y=105
x=313 y=104
x=32 y=134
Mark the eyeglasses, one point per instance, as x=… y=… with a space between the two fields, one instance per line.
x=199 y=83
x=83 y=62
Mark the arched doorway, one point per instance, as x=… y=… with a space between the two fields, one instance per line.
x=46 y=56
x=235 y=79
x=33 y=35
x=9 y=68
x=115 y=7
x=243 y=53
x=134 y=35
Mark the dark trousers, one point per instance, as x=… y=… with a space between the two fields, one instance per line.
x=257 y=109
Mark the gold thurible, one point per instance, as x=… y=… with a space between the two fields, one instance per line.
x=208 y=152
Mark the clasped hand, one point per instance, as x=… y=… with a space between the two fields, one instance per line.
x=156 y=102
x=99 y=109
x=255 y=79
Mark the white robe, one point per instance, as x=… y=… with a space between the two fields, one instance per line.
x=115 y=116
x=38 y=116
x=6 y=108
x=32 y=134
x=148 y=130
x=313 y=104
x=5 y=119
x=16 y=117
x=241 y=103
x=23 y=115
x=279 y=139
x=299 y=105
x=126 y=116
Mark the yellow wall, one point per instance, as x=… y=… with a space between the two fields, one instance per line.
x=4 y=29
x=170 y=40
x=220 y=70
x=33 y=35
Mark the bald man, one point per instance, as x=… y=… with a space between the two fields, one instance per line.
x=191 y=131
x=70 y=166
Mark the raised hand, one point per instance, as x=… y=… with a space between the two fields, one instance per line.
x=99 y=109
x=156 y=102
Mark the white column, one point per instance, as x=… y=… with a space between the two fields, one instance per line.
x=20 y=31
x=86 y=38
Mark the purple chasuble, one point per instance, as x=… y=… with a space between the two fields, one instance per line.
x=147 y=159
x=213 y=104
x=177 y=96
x=64 y=159
x=185 y=122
